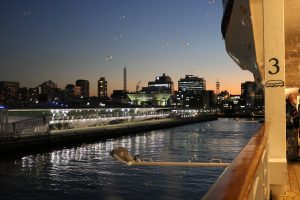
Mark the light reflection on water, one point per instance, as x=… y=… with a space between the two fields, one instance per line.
x=88 y=172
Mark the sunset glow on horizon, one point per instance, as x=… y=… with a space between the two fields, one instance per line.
x=64 y=41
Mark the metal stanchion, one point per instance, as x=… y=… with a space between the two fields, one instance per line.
x=1 y=121
x=6 y=121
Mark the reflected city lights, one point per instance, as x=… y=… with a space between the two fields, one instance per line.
x=90 y=165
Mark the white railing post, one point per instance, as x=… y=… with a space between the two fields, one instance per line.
x=2 y=124
x=6 y=121
x=274 y=56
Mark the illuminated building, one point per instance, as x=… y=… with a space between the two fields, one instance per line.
x=102 y=87
x=163 y=83
x=252 y=95
x=218 y=87
x=149 y=99
x=191 y=92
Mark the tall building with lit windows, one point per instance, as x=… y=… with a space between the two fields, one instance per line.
x=162 y=83
x=9 y=91
x=102 y=87
x=191 y=91
x=48 y=91
x=84 y=87
x=72 y=91
x=252 y=95
x=191 y=84
x=218 y=87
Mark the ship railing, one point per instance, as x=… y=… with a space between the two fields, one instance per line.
x=247 y=176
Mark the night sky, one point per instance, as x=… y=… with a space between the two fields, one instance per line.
x=66 y=40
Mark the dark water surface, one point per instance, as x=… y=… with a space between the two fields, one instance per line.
x=88 y=172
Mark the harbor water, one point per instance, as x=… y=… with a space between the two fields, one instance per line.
x=88 y=171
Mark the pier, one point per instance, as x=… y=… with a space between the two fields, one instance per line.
x=77 y=126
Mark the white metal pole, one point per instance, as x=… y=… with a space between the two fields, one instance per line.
x=6 y=121
x=124 y=155
x=274 y=54
x=179 y=164
x=1 y=121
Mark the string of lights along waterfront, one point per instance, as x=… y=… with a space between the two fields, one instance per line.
x=88 y=172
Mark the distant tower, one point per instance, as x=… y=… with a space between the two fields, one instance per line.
x=102 y=87
x=124 y=80
x=217 y=87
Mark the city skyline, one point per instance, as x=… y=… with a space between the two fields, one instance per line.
x=66 y=41
x=75 y=84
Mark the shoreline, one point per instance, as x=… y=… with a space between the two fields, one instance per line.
x=71 y=137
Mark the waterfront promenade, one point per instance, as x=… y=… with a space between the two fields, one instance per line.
x=67 y=137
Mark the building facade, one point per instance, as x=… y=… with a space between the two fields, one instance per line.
x=252 y=95
x=48 y=91
x=70 y=91
x=163 y=83
x=217 y=87
x=102 y=88
x=191 y=92
x=149 y=99
x=191 y=84
x=84 y=88
x=9 y=92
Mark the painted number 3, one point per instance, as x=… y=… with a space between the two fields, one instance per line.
x=275 y=61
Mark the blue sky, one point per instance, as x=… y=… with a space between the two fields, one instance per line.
x=66 y=40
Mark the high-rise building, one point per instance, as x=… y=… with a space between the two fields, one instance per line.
x=162 y=83
x=191 y=91
x=124 y=79
x=252 y=95
x=70 y=90
x=33 y=94
x=48 y=91
x=119 y=97
x=23 y=94
x=77 y=91
x=84 y=87
x=9 y=92
x=218 y=87
x=191 y=84
x=47 y=87
x=102 y=87
x=209 y=98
